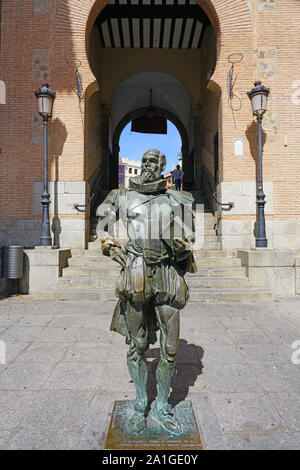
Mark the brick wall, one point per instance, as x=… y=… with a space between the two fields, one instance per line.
x=42 y=40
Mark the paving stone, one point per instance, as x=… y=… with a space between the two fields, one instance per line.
x=233 y=322
x=33 y=440
x=34 y=319
x=188 y=377
x=187 y=353
x=44 y=352
x=288 y=406
x=84 y=320
x=296 y=436
x=4 y=438
x=94 y=434
x=75 y=376
x=249 y=336
x=225 y=350
x=221 y=354
x=287 y=333
x=114 y=379
x=265 y=353
x=273 y=441
x=87 y=352
x=246 y=412
x=92 y=335
x=7 y=318
x=279 y=378
x=20 y=333
x=203 y=321
x=13 y=350
x=201 y=337
x=230 y=378
x=13 y=406
x=59 y=410
x=57 y=335
x=210 y=430
x=25 y=376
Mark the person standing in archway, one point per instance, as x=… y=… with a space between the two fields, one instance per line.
x=178 y=178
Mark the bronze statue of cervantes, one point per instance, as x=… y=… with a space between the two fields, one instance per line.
x=151 y=287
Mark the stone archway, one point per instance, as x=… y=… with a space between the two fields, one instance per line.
x=73 y=23
x=113 y=167
x=72 y=27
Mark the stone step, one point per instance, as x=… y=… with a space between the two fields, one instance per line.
x=90 y=271
x=211 y=245
x=114 y=270
x=91 y=261
x=211 y=237
x=197 y=282
x=208 y=245
x=210 y=249
x=218 y=261
x=214 y=253
x=208 y=232
x=196 y=295
x=236 y=295
x=219 y=271
x=101 y=262
x=75 y=294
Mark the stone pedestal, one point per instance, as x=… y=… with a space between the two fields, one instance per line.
x=270 y=269
x=120 y=437
x=42 y=267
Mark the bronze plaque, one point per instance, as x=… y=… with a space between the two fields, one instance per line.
x=121 y=437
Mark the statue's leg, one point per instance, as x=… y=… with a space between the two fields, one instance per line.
x=136 y=364
x=168 y=320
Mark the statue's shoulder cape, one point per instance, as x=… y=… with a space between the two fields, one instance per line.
x=181 y=197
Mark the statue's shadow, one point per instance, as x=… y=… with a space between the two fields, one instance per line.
x=188 y=365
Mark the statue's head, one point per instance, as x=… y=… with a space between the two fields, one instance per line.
x=153 y=164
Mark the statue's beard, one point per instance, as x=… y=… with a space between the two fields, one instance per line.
x=147 y=176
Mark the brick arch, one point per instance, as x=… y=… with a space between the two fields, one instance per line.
x=73 y=22
x=227 y=19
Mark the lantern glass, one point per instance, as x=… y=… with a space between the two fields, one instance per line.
x=259 y=103
x=45 y=99
x=45 y=103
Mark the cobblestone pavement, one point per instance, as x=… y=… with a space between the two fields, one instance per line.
x=64 y=369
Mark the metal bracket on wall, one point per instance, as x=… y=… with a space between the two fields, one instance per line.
x=234 y=58
x=75 y=64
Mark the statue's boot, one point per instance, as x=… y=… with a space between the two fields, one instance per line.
x=166 y=419
x=138 y=372
x=161 y=411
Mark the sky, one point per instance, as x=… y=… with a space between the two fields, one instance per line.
x=134 y=144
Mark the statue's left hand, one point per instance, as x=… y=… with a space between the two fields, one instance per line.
x=180 y=246
x=181 y=249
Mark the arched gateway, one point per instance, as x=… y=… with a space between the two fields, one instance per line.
x=112 y=41
x=92 y=51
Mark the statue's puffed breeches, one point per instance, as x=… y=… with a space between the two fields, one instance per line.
x=161 y=283
x=167 y=320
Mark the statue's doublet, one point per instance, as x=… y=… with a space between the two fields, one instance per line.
x=152 y=273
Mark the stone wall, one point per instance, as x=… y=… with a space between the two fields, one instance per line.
x=69 y=230
x=54 y=32
x=270 y=269
x=236 y=227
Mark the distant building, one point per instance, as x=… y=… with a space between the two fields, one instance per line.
x=168 y=177
x=127 y=169
x=121 y=175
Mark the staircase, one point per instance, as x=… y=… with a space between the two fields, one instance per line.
x=220 y=276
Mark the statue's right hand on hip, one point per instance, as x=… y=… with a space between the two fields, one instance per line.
x=112 y=248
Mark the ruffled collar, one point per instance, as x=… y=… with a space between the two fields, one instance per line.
x=148 y=188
